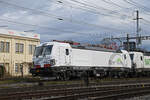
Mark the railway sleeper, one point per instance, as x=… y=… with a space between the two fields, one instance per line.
x=95 y=94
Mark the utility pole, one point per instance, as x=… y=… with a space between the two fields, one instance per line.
x=138 y=37
x=128 y=47
x=137 y=28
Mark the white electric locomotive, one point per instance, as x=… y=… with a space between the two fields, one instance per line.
x=63 y=60
x=140 y=63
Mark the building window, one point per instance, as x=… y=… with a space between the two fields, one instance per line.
x=31 y=49
x=19 y=48
x=7 y=46
x=4 y=47
x=16 y=68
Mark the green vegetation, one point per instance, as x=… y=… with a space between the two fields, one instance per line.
x=15 y=80
x=7 y=82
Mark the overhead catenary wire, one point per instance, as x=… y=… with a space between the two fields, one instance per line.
x=49 y=28
x=114 y=4
x=83 y=0
x=46 y=27
x=86 y=24
x=94 y=11
x=139 y=6
x=128 y=2
x=114 y=13
x=50 y=15
x=91 y=10
x=58 y=17
x=87 y=9
x=91 y=5
x=145 y=9
x=146 y=21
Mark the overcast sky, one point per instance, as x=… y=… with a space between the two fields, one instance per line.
x=78 y=20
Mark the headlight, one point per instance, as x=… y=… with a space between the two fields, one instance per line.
x=52 y=61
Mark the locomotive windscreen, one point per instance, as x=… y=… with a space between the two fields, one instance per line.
x=47 y=50
x=43 y=50
x=131 y=56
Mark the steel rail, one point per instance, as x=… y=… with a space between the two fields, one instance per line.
x=70 y=93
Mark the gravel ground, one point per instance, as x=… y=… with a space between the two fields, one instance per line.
x=147 y=97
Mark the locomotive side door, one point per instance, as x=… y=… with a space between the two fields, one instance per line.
x=65 y=56
x=142 y=61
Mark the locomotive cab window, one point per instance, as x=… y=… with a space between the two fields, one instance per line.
x=67 y=51
x=141 y=58
x=47 y=50
x=125 y=57
x=43 y=50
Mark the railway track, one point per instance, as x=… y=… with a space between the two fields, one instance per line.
x=115 y=94
x=90 y=93
x=36 y=87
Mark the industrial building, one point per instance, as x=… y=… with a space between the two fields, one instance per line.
x=16 y=51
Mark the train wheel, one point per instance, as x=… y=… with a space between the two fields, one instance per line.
x=68 y=75
x=34 y=75
x=60 y=76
